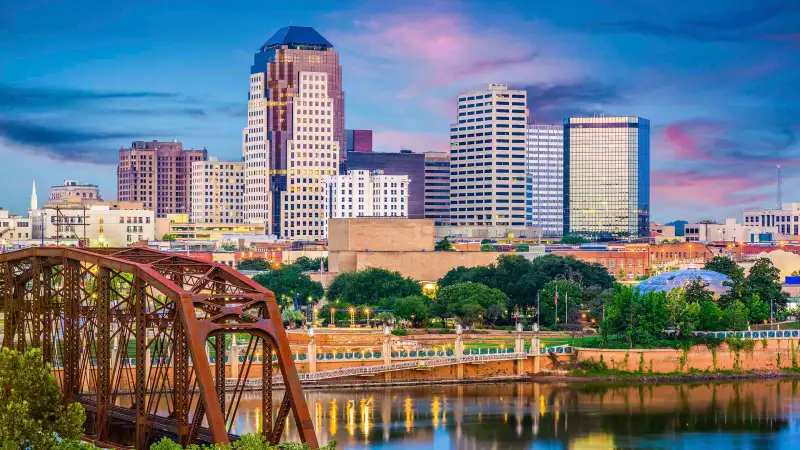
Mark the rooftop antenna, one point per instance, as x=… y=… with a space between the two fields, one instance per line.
x=780 y=187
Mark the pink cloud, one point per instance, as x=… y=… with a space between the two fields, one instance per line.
x=394 y=140
x=692 y=189
x=436 y=49
x=692 y=140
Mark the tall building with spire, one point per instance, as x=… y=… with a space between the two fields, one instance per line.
x=34 y=197
x=294 y=137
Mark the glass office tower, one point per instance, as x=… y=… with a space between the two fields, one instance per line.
x=607 y=177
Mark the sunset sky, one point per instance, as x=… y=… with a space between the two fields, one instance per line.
x=719 y=81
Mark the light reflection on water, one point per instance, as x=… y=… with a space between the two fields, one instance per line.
x=755 y=414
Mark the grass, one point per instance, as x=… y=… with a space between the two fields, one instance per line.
x=575 y=342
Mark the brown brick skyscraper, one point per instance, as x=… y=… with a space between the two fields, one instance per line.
x=157 y=174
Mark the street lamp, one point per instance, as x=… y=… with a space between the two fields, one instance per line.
x=101 y=240
x=352 y=317
x=366 y=311
x=333 y=321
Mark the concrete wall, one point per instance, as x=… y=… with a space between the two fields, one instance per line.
x=385 y=234
x=424 y=266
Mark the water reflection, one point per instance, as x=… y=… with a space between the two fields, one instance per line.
x=759 y=414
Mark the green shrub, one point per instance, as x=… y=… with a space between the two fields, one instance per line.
x=400 y=332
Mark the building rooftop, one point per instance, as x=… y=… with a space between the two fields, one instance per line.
x=297 y=37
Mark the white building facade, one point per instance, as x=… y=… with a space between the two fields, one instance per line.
x=487 y=158
x=95 y=225
x=545 y=179
x=14 y=230
x=217 y=192
x=786 y=219
x=365 y=193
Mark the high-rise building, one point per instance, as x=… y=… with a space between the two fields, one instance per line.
x=217 y=192
x=406 y=163
x=367 y=193
x=358 y=140
x=295 y=132
x=487 y=158
x=437 y=187
x=157 y=174
x=607 y=177
x=544 y=203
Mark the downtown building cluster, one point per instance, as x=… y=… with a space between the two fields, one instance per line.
x=503 y=171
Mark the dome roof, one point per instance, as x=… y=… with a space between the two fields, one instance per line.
x=666 y=281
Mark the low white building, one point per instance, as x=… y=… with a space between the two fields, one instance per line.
x=729 y=231
x=366 y=193
x=785 y=220
x=14 y=230
x=217 y=192
x=103 y=224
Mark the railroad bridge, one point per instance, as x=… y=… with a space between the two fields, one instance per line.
x=81 y=305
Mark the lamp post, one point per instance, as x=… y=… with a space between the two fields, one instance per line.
x=333 y=321
x=366 y=311
x=352 y=317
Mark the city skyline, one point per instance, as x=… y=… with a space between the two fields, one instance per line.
x=715 y=81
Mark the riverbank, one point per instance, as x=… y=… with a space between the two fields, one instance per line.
x=634 y=377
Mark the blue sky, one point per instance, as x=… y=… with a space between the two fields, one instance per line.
x=719 y=80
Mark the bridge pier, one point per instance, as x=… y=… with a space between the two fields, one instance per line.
x=387 y=352
x=459 y=352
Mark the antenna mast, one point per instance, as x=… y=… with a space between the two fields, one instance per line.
x=780 y=187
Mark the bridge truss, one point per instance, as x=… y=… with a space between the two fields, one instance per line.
x=127 y=332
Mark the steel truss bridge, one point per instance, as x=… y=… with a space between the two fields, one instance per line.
x=75 y=304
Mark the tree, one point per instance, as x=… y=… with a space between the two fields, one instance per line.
x=595 y=300
x=229 y=246
x=292 y=316
x=696 y=291
x=735 y=317
x=169 y=238
x=310 y=265
x=796 y=273
x=290 y=283
x=723 y=265
x=368 y=287
x=570 y=295
x=710 y=317
x=522 y=248
x=757 y=309
x=683 y=313
x=573 y=239
x=443 y=246
x=764 y=280
x=639 y=317
x=468 y=301
x=254 y=264
x=488 y=248
x=31 y=411
x=415 y=306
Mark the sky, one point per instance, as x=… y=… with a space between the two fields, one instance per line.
x=718 y=79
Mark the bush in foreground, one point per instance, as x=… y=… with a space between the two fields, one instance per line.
x=247 y=442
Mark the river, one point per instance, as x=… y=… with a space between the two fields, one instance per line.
x=720 y=415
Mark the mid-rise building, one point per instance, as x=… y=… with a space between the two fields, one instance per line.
x=358 y=140
x=217 y=192
x=157 y=174
x=487 y=158
x=404 y=162
x=367 y=193
x=103 y=224
x=786 y=220
x=437 y=187
x=294 y=137
x=607 y=177
x=75 y=188
x=180 y=227
x=732 y=231
x=544 y=204
x=13 y=229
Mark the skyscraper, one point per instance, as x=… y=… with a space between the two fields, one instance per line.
x=545 y=179
x=158 y=174
x=295 y=132
x=437 y=187
x=607 y=177
x=487 y=158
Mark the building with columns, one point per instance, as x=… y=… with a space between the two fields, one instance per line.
x=785 y=221
x=294 y=137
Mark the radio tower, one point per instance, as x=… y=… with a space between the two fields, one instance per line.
x=780 y=187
